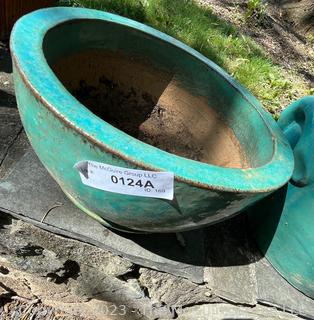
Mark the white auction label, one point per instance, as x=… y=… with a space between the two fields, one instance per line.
x=126 y=181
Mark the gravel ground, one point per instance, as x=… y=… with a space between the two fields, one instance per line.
x=20 y=309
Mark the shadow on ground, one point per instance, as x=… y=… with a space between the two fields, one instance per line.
x=5 y=59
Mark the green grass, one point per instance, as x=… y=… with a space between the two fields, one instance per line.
x=255 y=11
x=219 y=41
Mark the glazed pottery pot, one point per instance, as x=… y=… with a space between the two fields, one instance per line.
x=93 y=86
x=283 y=223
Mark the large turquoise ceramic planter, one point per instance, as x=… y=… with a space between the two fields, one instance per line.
x=63 y=131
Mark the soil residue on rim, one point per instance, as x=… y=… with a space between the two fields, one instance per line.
x=149 y=105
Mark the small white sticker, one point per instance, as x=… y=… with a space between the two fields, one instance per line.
x=126 y=181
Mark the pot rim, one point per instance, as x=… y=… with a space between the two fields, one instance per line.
x=28 y=58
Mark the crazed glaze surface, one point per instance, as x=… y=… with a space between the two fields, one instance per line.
x=63 y=132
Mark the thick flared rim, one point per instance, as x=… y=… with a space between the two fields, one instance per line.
x=29 y=61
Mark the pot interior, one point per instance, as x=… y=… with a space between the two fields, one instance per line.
x=155 y=92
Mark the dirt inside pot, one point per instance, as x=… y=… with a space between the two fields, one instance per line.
x=149 y=105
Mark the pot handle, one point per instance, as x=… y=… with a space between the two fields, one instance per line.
x=297 y=123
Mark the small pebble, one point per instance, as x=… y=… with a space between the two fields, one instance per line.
x=208 y=294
